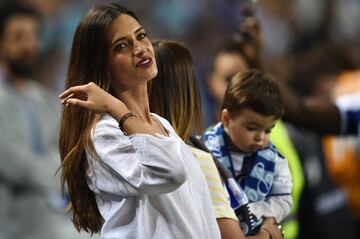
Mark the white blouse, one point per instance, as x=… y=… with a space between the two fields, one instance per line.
x=148 y=187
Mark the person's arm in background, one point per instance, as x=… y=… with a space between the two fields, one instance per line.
x=230 y=229
x=312 y=113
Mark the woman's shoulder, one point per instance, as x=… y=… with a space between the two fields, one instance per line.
x=201 y=154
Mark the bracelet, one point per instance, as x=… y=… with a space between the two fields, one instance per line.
x=270 y=237
x=125 y=117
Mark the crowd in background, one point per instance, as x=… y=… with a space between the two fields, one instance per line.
x=293 y=34
x=311 y=46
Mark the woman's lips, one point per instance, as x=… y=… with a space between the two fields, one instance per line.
x=144 y=63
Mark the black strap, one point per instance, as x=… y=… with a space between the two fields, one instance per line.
x=198 y=143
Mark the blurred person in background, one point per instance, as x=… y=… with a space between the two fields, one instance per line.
x=342 y=152
x=237 y=53
x=333 y=159
x=229 y=60
x=323 y=203
x=59 y=18
x=31 y=202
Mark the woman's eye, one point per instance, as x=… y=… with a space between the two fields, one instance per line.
x=142 y=35
x=120 y=46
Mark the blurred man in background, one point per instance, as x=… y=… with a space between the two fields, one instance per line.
x=31 y=202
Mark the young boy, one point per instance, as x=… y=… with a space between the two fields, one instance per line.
x=251 y=108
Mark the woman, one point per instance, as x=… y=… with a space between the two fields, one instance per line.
x=126 y=170
x=180 y=104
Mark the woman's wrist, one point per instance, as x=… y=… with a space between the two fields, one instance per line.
x=117 y=109
x=124 y=118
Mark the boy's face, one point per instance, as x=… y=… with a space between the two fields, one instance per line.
x=248 y=130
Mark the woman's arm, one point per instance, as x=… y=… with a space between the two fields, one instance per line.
x=135 y=165
x=93 y=98
x=230 y=229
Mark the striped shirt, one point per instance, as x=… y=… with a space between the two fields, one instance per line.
x=219 y=196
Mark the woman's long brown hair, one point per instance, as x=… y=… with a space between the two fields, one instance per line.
x=173 y=93
x=87 y=63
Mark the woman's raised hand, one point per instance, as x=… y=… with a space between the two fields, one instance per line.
x=91 y=97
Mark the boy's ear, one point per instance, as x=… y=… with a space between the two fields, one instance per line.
x=225 y=117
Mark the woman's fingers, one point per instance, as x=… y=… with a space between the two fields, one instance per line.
x=63 y=101
x=73 y=90
x=77 y=102
x=88 y=96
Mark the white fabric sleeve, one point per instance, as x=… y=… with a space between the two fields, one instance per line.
x=135 y=165
x=278 y=203
x=278 y=207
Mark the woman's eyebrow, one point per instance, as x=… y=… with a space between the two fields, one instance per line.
x=124 y=37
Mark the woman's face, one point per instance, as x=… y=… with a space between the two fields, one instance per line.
x=131 y=59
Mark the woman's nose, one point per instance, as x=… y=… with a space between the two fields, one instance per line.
x=139 y=48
